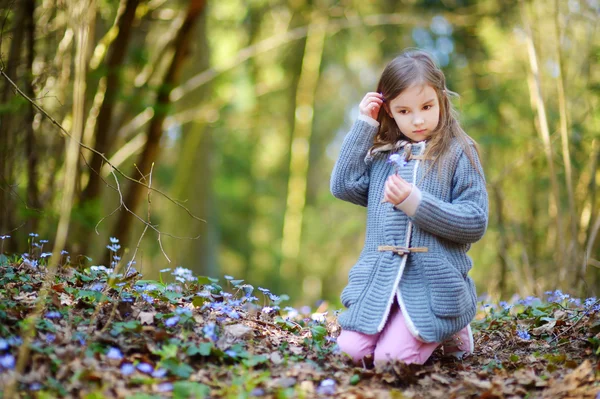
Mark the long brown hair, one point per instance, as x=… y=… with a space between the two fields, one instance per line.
x=416 y=67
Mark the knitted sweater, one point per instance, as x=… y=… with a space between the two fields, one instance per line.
x=448 y=211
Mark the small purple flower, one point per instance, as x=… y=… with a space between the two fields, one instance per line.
x=113 y=240
x=397 y=161
x=264 y=290
x=7 y=361
x=164 y=387
x=210 y=332
x=127 y=369
x=505 y=305
x=274 y=297
x=184 y=311
x=4 y=237
x=168 y=269
x=228 y=277
x=147 y=298
x=50 y=338
x=231 y=353
x=45 y=254
x=36 y=386
x=53 y=314
x=114 y=247
x=33 y=235
x=172 y=321
x=326 y=387
x=257 y=392
x=3 y=344
x=114 y=353
x=523 y=334
x=159 y=373
x=145 y=368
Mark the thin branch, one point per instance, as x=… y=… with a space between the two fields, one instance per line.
x=40 y=109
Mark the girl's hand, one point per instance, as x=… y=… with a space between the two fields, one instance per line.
x=370 y=104
x=396 y=189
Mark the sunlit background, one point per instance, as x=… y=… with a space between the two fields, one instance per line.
x=267 y=91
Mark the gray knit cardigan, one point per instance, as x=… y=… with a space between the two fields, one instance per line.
x=436 y=296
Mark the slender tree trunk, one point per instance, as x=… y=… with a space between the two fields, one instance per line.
x=150 y=152
x=114 y=61
x=300 y=144
x=502 y=241
x=544 y=131
x=8 y=137
x=33 y=200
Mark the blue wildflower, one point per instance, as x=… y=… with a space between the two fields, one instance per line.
x=7 y=361
x=210 y=331
x=172 y=321
x=159 y=373
x=43 y=241
x=228 y=277
x=274 y=297
x=147 y=298
x=168 y=269
x=145 y=368
x=63 y=252
x=523 y=334
x=182 y=274
x=231 y=353
x=53 y=314
x=264 y=290
x=326 y=387
x=113 y=240
x=3 y=344
x=505 y=305
x=4 y=237
x=35 y=386
x=164 y=387
x=14 y=341
x=127 y=369
x=50 y=338
x=114 y=353
x=33 y=235
x=184 y=311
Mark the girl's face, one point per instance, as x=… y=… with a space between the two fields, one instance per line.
x=416 y=111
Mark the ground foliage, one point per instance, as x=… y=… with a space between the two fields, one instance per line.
x=110 y=334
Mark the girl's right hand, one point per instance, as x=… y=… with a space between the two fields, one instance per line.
x=370 y=104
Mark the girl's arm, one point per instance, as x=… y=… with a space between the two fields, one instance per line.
x=350 y=176
x=464 y=220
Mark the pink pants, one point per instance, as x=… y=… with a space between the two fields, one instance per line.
x=394 y=342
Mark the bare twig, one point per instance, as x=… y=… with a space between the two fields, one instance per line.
x=40 y=109
x=576 y=323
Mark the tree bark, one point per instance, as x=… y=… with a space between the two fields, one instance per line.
x=114 y=61
x=150 y=152
x=33 y=200
x=8 y=140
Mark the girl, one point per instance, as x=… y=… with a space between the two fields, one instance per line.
x=409 y=291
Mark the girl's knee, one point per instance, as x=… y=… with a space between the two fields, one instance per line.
x=355 y=344
x=406 y=355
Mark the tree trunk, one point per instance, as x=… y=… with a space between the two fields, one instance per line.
x=300 y=144
x=33 y=200
x=114 y=61
x=151 y=149
x=8 y=138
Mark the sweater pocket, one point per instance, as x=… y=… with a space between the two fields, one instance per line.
x=358 y=280
x=448 y=289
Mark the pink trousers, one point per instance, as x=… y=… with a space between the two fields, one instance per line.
x=394 y=342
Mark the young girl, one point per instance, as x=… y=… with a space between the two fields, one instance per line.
x=409 y=291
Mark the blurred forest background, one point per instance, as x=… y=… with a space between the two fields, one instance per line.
x=237 y=109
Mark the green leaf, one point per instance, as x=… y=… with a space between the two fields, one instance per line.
x=203 y=280
x=189 y=389
x=355 y=379
x=181 y=370
x=318 y=333
x=94 y=296
x=204 y=349
x=514 y=358
x=4 y=260
x=255 y=360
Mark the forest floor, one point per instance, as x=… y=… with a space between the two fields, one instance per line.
x=103 y=335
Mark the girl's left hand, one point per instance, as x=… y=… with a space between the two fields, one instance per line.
x=396 y=189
